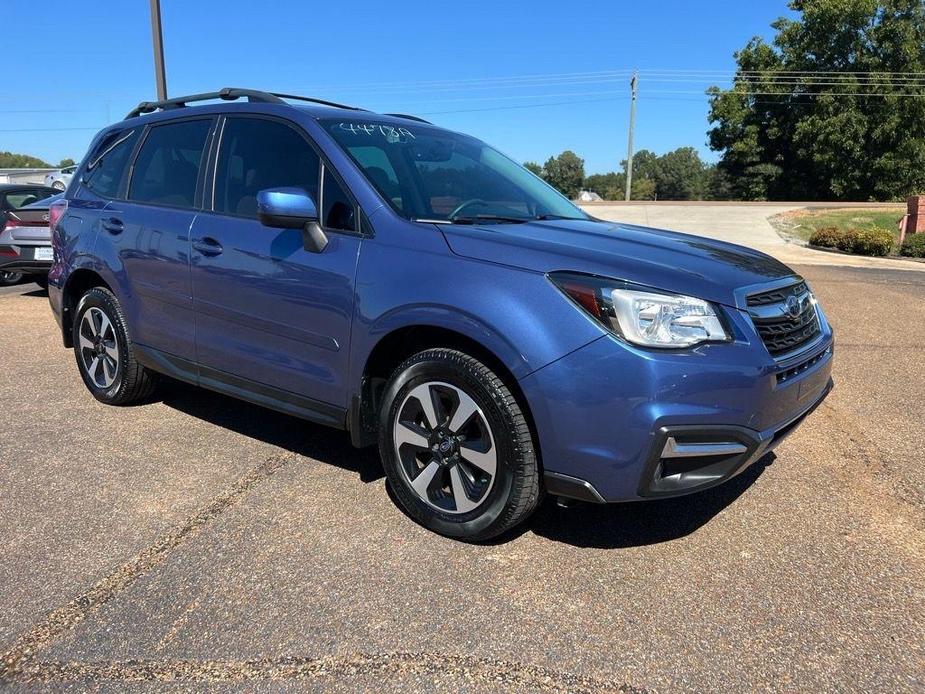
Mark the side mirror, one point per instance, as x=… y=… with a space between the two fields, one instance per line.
x=292 y=208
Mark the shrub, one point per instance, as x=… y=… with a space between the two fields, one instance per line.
x=873 y=241
x=827 y=237
x=913 y=246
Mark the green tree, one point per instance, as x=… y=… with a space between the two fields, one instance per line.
x=609 y=186
x=680 y=175
x=9 y=160
x=533 y=167
x=565 y=173
x=854 y=134
x=645 y=164
x=66 y=162
x=643 y=188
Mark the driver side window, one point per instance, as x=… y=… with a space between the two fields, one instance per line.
x=257 y=154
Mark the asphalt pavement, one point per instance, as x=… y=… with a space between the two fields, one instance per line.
x=198 y=541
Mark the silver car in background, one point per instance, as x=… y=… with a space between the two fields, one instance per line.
x=60 y=179
x=25 y=242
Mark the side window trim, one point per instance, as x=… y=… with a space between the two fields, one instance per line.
x=122 y=193
x=208 y=203
x=203 y=160
x=325 y=169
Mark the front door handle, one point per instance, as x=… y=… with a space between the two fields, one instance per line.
x=208 y=246
x=113 y=225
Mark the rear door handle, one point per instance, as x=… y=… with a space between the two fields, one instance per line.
x=208 y=246
x=113 y=225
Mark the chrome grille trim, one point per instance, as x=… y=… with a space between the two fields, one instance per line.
x=785 y=318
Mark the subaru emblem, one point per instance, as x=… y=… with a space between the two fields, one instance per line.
x=793 y=306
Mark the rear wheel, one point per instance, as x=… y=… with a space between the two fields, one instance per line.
x=9 y=278
x=59 y=185
x=456 y=447
x=104 y=351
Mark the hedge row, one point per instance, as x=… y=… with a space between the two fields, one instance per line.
x=913 y=246
x=875 y=241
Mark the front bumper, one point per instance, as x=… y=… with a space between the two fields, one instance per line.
x=604 y=414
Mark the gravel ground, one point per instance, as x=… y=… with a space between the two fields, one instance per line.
x=196 y=541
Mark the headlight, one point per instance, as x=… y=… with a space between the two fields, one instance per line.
x=643 y=317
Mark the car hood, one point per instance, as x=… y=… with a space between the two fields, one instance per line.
x=668 y=260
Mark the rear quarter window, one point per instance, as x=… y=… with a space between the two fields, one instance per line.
x=106 y=166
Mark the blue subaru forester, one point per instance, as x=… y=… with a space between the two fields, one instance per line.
x=419 y=289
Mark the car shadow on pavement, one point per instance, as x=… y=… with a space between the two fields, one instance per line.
x=639 y=523
x=607 y=526
x=36 y=292
x=321 y=443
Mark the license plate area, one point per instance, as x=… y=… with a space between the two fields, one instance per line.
x=44 y=253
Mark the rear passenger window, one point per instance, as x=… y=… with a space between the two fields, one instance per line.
x=257 y=154
x=167 y=167
x=107 y=164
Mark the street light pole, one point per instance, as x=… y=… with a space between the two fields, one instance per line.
x=629 y=149
x=157 y=39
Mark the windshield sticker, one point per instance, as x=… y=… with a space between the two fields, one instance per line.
x=389 y=132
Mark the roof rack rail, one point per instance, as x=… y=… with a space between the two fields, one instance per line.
x=228 y=94
x=407 y=117
x=316 y=101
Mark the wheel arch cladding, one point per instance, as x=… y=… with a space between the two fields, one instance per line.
x=395 y=347
x=78 y=283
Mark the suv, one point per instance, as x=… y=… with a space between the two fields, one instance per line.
x=419 y=289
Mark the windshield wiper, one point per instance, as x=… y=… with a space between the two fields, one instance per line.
x=544 y=217
x=489 y=218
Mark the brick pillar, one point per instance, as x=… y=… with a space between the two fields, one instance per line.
x=915 y=223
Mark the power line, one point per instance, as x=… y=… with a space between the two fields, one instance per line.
x=520 y=106
x=47 y=130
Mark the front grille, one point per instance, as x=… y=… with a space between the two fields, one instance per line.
x=777 y=296
x=782 y=331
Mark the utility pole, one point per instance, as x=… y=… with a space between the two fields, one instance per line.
x=629 y=149
x=157 y=38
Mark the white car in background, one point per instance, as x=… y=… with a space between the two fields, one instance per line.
x=60 y=179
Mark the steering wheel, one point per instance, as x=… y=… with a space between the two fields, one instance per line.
x=463 y=205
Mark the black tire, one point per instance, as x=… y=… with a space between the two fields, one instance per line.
x=41 y=280
x=8 y=279
x=515 y=489
x=59 y=186
x=132 y=381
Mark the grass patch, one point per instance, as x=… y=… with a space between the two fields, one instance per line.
x=803 y=223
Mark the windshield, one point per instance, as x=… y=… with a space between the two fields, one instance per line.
x=433 y=175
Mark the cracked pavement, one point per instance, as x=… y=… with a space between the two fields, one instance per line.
x=198 y=541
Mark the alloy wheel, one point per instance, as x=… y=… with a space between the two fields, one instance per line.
x=99 y=347
x=445 y=447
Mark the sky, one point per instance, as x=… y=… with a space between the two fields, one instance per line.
x=531 y=77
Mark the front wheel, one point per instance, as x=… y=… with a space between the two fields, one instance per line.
x=456 y=447
x=59 y=186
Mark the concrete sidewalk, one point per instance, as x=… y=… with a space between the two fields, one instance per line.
x=744 y=223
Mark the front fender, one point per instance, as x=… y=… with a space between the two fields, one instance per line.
x=414 y=280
